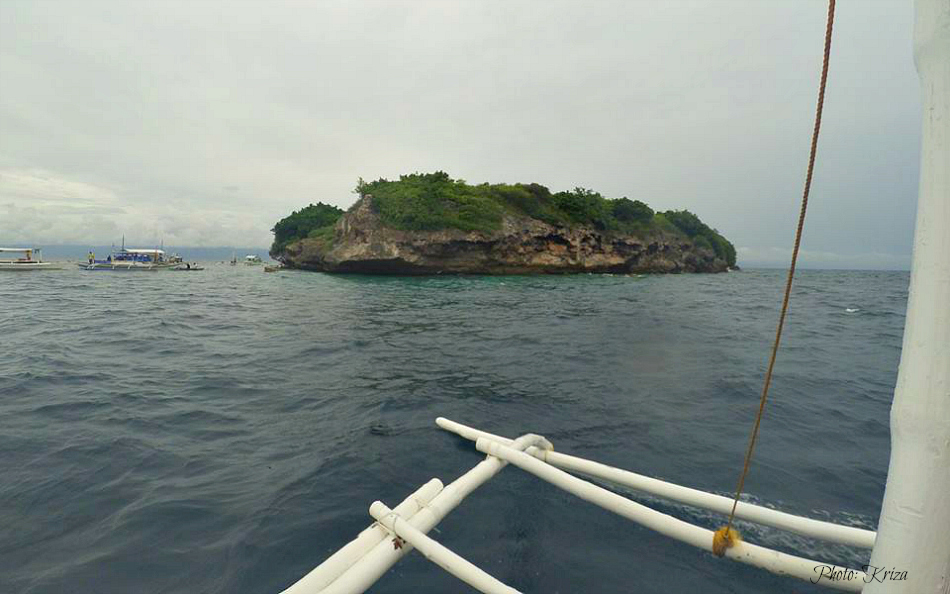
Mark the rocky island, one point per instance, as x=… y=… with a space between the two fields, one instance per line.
x=433 y=224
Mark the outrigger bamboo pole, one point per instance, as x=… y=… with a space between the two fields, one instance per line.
x=437 y=553
x=912 y=554
x=323 y=574
x=851 y=580
x=372 y=566
x=826 y=531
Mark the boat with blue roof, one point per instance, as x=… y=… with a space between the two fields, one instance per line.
x=131 y=260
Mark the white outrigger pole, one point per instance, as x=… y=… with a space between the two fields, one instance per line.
x=913 y=538
x=359 y=564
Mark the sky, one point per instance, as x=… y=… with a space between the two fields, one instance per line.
x=202 y=123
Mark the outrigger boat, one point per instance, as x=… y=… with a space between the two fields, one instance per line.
x=31 y=260
x=910 y=551
x=125 y=260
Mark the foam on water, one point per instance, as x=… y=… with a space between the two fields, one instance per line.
x=225 y=431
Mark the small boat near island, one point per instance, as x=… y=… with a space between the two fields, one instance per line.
x=252 y=260
x=189 y=267
x=31 y=260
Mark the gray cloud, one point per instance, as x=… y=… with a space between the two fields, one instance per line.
x=205 y=122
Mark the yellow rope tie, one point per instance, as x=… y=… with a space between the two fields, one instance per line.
x=727 y=537
x=723 y=539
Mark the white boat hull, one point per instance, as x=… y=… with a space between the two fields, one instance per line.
x=28 y=266
x=125 y=267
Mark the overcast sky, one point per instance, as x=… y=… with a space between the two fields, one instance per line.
x=202 y=123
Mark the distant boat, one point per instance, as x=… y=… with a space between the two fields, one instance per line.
x=271 y=268
x=130 y=260
x=252 y=260
x=188 y=267
x=31 y=260
x=233 y=259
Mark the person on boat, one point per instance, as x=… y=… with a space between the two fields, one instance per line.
x=92 y=256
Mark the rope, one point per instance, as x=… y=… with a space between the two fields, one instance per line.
x=726 y=536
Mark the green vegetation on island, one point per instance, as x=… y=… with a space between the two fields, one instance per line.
x=702 y=235
x=433 y=201
x=316 y=221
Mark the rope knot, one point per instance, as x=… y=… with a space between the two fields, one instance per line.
x=724 y=538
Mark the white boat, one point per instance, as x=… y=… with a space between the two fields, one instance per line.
x=909 y=552
x=252 y=260
x=130 y=260
x=31 y=260
x=188 y=267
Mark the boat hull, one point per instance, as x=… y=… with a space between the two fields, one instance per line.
x=125 y=267
x=24 y=266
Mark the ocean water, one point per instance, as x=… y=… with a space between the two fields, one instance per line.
x=226 y=430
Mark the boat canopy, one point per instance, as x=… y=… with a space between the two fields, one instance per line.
x=4 y=249
x=146 y=251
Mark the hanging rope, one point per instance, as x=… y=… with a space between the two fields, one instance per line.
x=726 y=536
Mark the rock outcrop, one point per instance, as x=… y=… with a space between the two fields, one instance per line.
x=362 y=244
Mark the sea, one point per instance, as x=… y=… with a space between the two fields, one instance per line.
x=225 y=430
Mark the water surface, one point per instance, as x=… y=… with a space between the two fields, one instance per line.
x=226 y=430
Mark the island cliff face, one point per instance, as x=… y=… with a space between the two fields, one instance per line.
x=361 y=243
